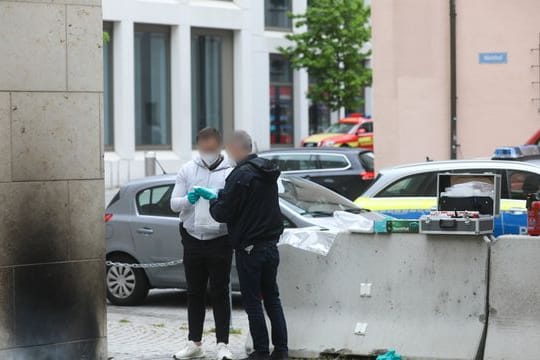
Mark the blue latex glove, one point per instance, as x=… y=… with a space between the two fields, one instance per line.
x=193 y=197
x=390 y=355
x=205 y=193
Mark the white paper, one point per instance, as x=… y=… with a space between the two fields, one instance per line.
x=360 y=328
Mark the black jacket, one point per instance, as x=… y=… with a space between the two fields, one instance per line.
x=249 y=203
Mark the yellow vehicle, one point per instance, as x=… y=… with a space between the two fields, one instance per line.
x=352 y=131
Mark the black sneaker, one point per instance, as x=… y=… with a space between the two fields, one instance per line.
x=258 y=356
x=279 y=355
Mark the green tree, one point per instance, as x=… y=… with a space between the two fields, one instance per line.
x=333 y=50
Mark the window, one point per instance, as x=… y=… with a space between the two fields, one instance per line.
x=340 y=128
x=367 y=128
x=296 y=162
x=281 y=101
x=504 y=183
x=319 y=114
x=319 y=118
x=522 y=183
x=108 y=111
x=309 y=199
x=155 y=201
x=411 y=186
x=276 y=14
x=152 y=87
x=211 y=80
x=333 y=162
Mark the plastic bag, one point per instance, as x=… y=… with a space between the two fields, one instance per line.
x=390 y=355
x=355 y=223
x=204 y=222
x=311 y=239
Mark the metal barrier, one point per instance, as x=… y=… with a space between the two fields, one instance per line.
x=423 y=296
x=514 y=299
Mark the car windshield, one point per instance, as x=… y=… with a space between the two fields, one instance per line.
x=340 y=128
x=310 y=199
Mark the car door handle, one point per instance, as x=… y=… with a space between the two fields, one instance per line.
x=145 y=230
x=330 y=181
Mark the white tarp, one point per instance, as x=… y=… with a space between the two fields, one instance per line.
x=319 y=240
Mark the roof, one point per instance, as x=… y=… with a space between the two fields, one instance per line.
x=354 y=120
x=343 y=150
x=464 y=164
x=390 y=175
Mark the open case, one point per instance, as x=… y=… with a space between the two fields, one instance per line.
x=466 y=204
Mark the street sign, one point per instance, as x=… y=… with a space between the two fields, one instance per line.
x=493 y=58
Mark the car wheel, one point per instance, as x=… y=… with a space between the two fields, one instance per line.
x=125 y=286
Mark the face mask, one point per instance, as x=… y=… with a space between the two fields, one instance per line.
x=210 y=158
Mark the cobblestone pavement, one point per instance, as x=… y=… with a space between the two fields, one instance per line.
x=158 y=328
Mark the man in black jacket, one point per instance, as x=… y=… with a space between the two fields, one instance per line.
x=249 y=205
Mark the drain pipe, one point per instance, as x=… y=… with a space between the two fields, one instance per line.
x=453 y=82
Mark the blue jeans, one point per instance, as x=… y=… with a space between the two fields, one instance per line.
x=257 y=272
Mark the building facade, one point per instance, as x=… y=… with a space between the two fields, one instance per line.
x=497 y=77
x=52 y=236
x=173 y=67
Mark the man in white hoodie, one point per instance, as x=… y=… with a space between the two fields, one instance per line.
x=207 y=251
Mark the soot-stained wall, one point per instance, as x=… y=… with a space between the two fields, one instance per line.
x=52 y=294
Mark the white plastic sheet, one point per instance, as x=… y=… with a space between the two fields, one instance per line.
x=355 y=223
x=319 y=241
x=312 y=239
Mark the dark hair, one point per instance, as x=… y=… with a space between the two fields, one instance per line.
x=209 y=133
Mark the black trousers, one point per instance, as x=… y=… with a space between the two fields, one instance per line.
x=207 y=261
x=257 y=271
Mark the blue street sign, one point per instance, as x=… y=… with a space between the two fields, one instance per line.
x=493 y=58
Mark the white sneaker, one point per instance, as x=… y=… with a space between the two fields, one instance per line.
x=223 y=352
x=191 y=351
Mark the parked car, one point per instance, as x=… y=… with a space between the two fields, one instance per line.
x=141 y=228
x=409 y=191
x=346 y=171
x=352 y=131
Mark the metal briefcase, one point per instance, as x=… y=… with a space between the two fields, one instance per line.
x=463 y=209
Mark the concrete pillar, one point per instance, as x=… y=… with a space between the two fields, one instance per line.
x=52 y=294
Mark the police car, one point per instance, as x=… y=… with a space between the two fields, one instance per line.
x=409 y=191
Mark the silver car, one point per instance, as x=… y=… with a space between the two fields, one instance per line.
x=141 y=228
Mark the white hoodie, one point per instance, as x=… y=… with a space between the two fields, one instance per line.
x=195 y=173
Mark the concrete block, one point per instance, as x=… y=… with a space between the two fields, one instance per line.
x=32 y=46
x=5 y=138
x=6 y=308
x=86 y=209
x=34 y=227
x=65 y=2
x=84 y=48
x=70 y=294
x=55 y=136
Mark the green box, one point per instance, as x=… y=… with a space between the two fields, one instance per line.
x=402 y=226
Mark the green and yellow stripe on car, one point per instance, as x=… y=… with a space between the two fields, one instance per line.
x=513 y=219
